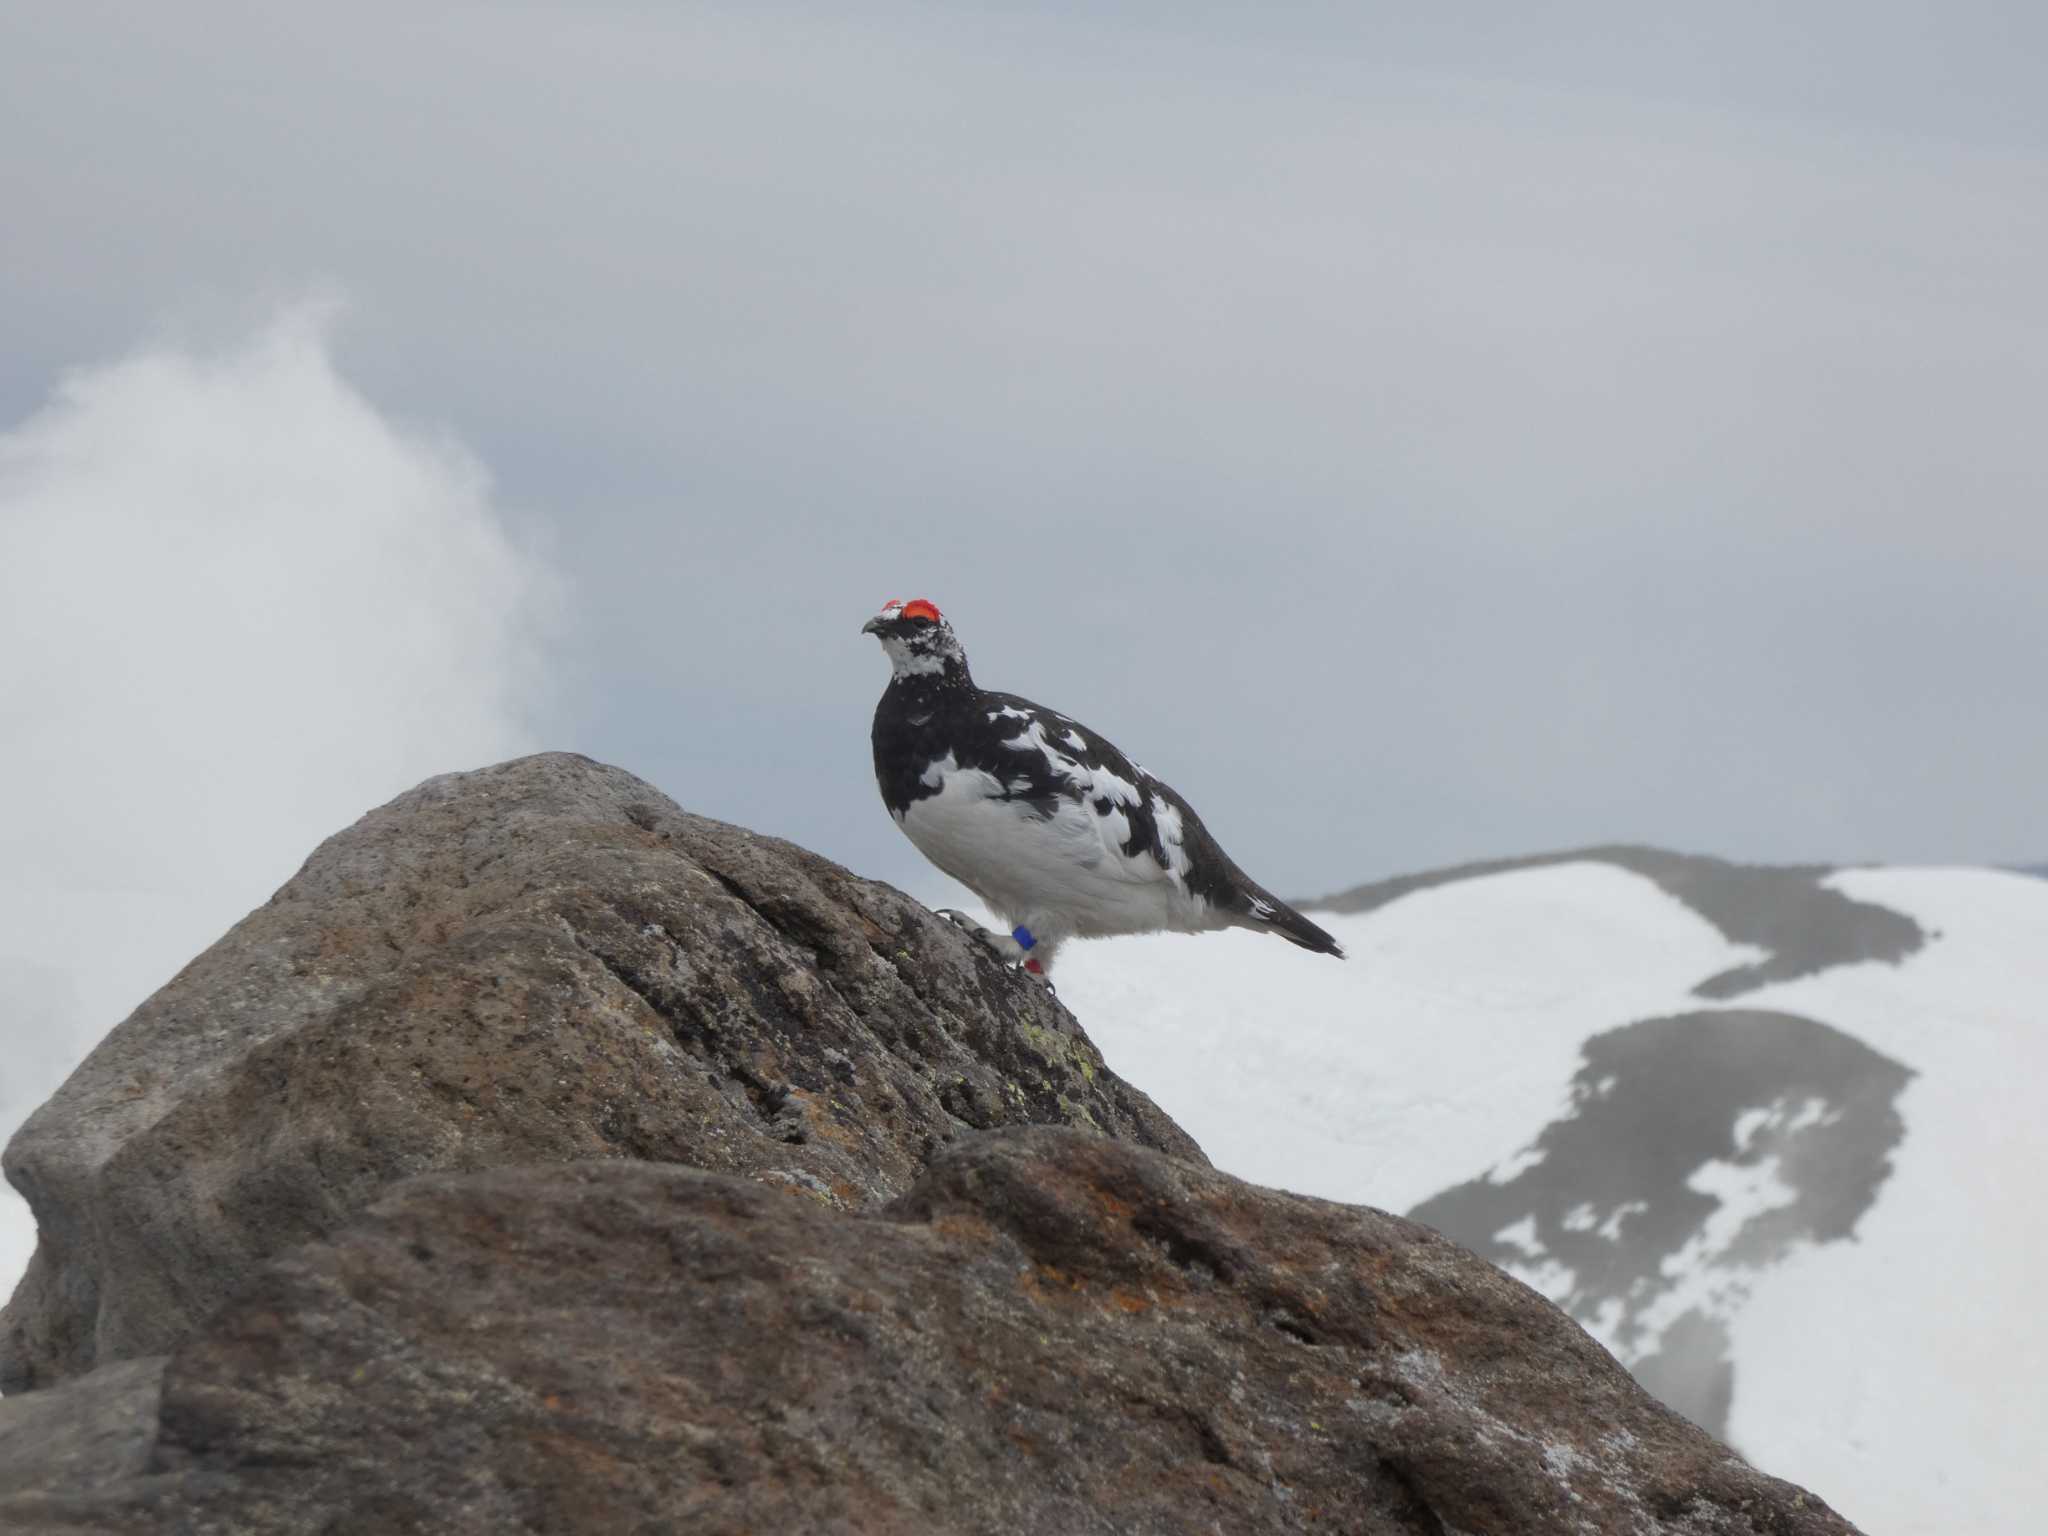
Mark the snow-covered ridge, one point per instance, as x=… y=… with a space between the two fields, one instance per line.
x=1800 y=922
x=1788 y=1180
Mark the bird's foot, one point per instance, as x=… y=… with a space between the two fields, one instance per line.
x=1013 y=949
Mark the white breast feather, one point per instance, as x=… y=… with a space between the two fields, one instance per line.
x=1068 y=874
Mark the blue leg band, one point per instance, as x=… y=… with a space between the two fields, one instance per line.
x=1023 y=936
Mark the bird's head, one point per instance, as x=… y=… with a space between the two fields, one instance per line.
x=917 y=637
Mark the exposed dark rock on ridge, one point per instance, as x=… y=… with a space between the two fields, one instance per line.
x=1052 y=1332
x=1783 y=909
x=1610 y=1194
x=542 y=961
x=1614 y=1222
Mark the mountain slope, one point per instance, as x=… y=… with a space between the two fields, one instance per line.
x=1786 y=1176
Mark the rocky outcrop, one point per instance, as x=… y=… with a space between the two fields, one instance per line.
x=537 y=962
x=1051 y=1332
x=545 y=1159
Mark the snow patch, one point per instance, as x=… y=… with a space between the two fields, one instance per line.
x=1440 y=1047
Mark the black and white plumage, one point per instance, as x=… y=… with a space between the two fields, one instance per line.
x=1060 y=833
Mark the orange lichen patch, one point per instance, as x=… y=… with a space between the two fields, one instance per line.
x=1111 y=1205
x=822 y=1125
x=806 y=1100
x=1049 y=1285
x=963 y=1228
x=1047 y=1282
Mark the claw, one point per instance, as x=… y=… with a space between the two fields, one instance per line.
x=1004 y=947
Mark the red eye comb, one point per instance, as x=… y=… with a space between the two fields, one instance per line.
x=919 y=608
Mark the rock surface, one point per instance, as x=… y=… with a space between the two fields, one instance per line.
x=538 y=962
x=1052 y=1332
x=82 y=1436
x=544 y=1159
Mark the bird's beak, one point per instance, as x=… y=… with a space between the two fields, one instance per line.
x=872 y=627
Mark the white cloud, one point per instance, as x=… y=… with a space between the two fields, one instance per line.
x=238 y=607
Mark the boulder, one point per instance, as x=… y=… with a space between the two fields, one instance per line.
x=1052 y=1331
x=543 y=961
x=78 y=1438
x=543 y=1158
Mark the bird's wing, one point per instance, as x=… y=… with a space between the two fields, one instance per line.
x=1124 y=822
x=1075 y=775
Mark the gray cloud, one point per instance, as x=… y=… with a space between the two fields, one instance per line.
x=1419 y=440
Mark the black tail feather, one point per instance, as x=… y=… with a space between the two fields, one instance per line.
x=1266 y=912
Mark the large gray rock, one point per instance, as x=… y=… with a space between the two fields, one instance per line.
x=1053 y=1332
x=76 y=1439
x=537 y=962
x=750 y=1197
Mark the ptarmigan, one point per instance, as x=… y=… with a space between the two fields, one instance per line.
x=1060 y=833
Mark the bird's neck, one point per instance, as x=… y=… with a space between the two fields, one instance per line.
x=932 y=684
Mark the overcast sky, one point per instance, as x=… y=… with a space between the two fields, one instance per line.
x=1417 y=439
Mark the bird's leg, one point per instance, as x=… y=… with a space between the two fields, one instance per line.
x=1013 y=948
